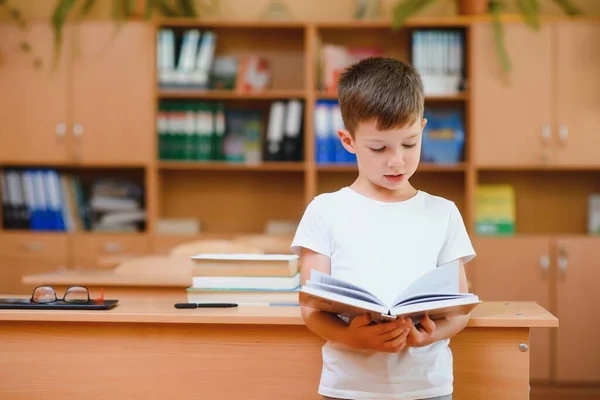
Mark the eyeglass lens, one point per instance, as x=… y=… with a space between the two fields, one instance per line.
x=76 y=294
x=44 y=294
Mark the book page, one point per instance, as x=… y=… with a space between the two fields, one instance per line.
x=439 y=308
x=310 y=296
x=431 y=297
x=320 y=277
x=441 y=280
x=244 y=257
x=354 y=294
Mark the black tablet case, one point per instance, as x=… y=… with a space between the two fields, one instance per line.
x=20 y=304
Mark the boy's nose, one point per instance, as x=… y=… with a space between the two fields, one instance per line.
x=397 y=160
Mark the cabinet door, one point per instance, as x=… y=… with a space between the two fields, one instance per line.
x=578 y=105
x=516 y=269
x=113 y=93
x=512 y=115
x=33 y=102
x=27 y=254
x=578 y=305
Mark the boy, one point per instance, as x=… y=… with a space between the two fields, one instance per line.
x=382 y=233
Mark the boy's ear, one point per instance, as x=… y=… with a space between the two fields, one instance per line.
x=346 y=140
x=423 y=123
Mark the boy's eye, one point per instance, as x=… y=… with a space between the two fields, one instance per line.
x=409 y=146
x=377 y=150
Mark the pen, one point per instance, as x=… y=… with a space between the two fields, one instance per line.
x=205 y=305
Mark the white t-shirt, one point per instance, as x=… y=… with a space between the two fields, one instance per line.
x=383 y=246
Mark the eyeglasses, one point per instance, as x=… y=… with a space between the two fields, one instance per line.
x=73 y=295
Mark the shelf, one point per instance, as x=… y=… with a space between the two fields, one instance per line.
x=538 y=168
x=423 y=167
x=321 y=95
x=225 y=202
x=548 y=203
x=519 y=235
x=66 y=233
x=229 y=94
x=457 y=22
x=446 y=21
x=235 y=24
x=70 y=164
x=230 y=166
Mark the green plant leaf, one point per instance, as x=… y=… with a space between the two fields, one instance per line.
x=165 y=9
x=128 y=8
x=59 y=16
x=85 y=9
x=186 y=8
x=568 y=7
x=15 y=13
x=83 y=12
x=498 y=35
x=150 y=5
x=119 y=13
x=116 y=10
x=406 y=9
x=530 y=10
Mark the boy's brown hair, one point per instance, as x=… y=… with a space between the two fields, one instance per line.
x=380 y=89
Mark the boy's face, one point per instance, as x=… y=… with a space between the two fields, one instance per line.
x=386 y=158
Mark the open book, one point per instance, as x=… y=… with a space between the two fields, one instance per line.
x=436 y=294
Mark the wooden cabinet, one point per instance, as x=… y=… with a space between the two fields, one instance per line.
x=113 y=103
x=95 y=108
x=512 y=114
x=560 y=274
x=29 y=253
x=516 y=269
x=33 y=102
x=577 y=305
x=545 y=112
x=96 y=250
x=577 y=106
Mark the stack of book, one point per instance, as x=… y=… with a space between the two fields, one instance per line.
x=495 y=210
x=187 y=60
x=245 y=279
x=44 y=199
x=210 y=131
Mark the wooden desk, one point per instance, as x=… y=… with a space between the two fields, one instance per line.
x=145 y=348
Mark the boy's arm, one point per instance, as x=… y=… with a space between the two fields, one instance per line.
x=326 y=325
x=443 y=329
x=360 y=334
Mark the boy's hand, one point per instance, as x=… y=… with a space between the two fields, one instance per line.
x=386 y=337
x=422 y=336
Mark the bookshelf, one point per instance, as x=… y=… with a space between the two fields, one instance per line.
x=535 y=130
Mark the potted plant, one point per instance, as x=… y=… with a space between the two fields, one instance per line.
x=530 y=10
x=122 y=10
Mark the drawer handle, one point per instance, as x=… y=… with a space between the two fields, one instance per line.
x=33 y=246
x=112 y=247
